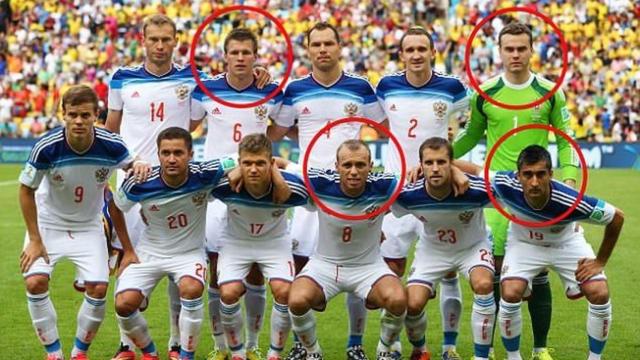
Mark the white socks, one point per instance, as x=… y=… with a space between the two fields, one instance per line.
x=280 y=327
x=482 y=321
x=174 y=312
x=90 y=317
x=598 y=324
x=214 y=319
x=255 y=300
x=231 y=316
x=510 y=320
x=44 y=319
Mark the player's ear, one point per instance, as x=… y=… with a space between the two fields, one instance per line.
x=191 y=154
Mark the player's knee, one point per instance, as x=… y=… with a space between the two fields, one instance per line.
x=230 y=293
x=190 y=288
x=97 y=291
x=483 y=285
x=510 y=294
x=127 y=303
x=415 y=304
x=255 y=276
x=598 y=293
x=298 y=303
x=37 y=284
x=397 y=303
x=280 y=290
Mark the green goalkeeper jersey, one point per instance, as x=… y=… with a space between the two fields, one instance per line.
x=497 y=121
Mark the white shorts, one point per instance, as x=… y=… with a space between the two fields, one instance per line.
x=431 y=264
x=151 y=269
x=524 y=261
x=304 y=231
x=216 y=221
x=399 y=234
x=87 y=250
x=334 y=278
x=272 y=256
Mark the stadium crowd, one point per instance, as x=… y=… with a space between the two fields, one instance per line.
x=47 y=45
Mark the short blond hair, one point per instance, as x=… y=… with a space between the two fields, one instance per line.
x=158 y=20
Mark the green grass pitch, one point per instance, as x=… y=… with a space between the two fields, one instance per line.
x=568 y=334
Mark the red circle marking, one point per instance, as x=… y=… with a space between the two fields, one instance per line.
x=216 y=14
x=474 y=82
x=314 y=196
x=535 y=224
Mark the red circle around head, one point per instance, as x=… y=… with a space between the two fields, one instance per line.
x=535 y=224
x=314 y=196
x=216 y=14
x=474 y=82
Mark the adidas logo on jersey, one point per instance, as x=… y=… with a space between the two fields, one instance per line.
x=216 y=111
x=135 y=94
x=154 y=207
x=393 y=107
x=306 y=111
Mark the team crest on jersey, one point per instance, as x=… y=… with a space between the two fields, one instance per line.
x=278 y=213
x=465 y=217
x=199 y=198
x=57 y=177
x=101 y=175
x=182 y=92
x=440 y=109
x=261 y=112
x=350 y=109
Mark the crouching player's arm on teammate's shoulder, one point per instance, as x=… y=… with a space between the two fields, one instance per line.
x=588 y=268
x=128 y=254
x=276 y=132
x=138 y=168
x=35 y=248
x=281 y=191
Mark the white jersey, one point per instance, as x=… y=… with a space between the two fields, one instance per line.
x=74 y=183
x=150 y=104
x=314 y=105
x=175 y=217
x=227 y=125
x=590 y=209
x=350 y=242
x=259 y=219
x=454 y=223
x=418 y=113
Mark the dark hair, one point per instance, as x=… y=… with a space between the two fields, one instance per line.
x=175 y=132
x=322 y=26
x=515 y=28
x=417 y=30
x=255 y=144
x=353 y=145
x=241 y=34
x=533 y=154
x=158 y=20
x=80 y=94
x=436 y=143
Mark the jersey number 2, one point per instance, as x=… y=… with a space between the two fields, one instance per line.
x=157 y=112
x=414 y=124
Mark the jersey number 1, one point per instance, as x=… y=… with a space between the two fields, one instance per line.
x=157 y=113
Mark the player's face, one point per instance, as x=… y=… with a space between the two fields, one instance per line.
x=436 y=167
x=159 y=42
x=256 y=168
x=416 y=53
x=536 y=181
x=174 y=157
x=79 y=119
x=324 y=50
x=240 y=57
x=515 y=52
x=354 y=167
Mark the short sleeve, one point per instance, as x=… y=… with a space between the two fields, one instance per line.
x=197 y=108
x=122 y=201
x=602 y=213
x=31 y=176
x=286 y=117
x=115 y=92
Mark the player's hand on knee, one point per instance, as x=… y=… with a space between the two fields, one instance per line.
x=588 y=268
x=128 y=258
x=262 y=76
x=460 y=181
x=31 y=253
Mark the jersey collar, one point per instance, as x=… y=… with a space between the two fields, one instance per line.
x=433 y=75
x=171 y=71
x=330 y=85
x=524 y=85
